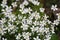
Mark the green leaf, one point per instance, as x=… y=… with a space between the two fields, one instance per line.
x=54 y=37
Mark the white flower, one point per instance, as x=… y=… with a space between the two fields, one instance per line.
x=37 y=28
x=48 y=37
x=31 y=0
x=46 y=30
x=2 y=31
x=3 y=5
x=12 y=17
x=25 y=2
x=26 y=10
x=52 y=27
x=18 y=36
x=24 y=26
x=42 y=9
x=21 y=6
x=17 y=0
x=33 y=29
x=24 y=21
x=36 y=23
x=58 y=16
x=35 y=2
x=3 y=20
x=29 y=21
x=20 y=17
x=45 y=17
x=8 y=9
x=36 y=15
x=4 y=2
x=11 y=27
x=14 y=4
x=4 y=39
x=29 y=10
x=49 y=21
x=54 y=7
x=42 y=23
x=37 y=38
x=41 y=30
x=30 y=17
x=56 y=22
x=26 y=35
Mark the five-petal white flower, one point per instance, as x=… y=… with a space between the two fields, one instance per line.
x=54 y=7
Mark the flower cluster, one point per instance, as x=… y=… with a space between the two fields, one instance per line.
x=26 y=23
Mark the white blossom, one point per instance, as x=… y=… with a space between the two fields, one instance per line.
x=26 y=10
x=25 y=2
x=21 y=6
x=4 y=39
x=18 y=36
x=26 y=35
x=56 y=22
x=37 y=38
x=14 y=4
x=24 y=26
x=54 y=7
x=42 y=9
x=35 y=2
